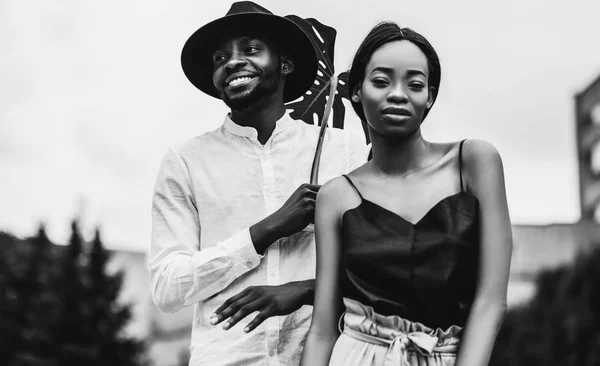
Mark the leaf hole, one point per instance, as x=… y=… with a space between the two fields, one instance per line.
x=318 y=35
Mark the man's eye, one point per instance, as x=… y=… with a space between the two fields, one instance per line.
x=218 y=58
x=251 y=49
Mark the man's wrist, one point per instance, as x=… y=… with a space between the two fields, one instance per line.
x=309 y=292
x=263 y=234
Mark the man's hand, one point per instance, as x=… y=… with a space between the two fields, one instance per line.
x=268 y=300
x=295 y=214
x=299 y=210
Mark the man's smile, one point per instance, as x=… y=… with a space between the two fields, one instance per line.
x=239 y=79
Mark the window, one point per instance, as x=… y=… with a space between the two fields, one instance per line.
x=595 y=159
x=595 y=114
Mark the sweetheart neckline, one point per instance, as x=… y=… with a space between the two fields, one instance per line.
x=438 y=203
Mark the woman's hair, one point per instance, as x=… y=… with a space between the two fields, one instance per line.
x=381 y=34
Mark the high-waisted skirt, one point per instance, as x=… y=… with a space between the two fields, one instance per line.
x=373 y=339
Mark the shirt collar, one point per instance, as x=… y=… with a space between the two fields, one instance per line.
x=244 y=131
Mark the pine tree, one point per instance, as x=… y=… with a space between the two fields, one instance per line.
x=72 y=345
x=38 y=304
x=26 y=307
x=59 y=306
x=107 y=317
x=10 y=320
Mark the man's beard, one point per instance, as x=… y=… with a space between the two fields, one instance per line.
x=268 y=86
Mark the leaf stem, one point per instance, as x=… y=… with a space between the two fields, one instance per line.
x=314 y=172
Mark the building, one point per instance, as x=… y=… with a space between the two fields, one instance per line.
x=587 y=131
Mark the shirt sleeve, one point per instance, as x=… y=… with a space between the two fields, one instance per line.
x=181 y=273
x=358 y=151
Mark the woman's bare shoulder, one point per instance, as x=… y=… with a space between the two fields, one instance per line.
x=339 y=193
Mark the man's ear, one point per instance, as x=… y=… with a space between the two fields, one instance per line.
x=287 y=65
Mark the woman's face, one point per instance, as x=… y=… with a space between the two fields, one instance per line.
x=395 y=91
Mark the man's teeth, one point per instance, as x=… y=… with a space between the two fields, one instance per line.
x=238 y=81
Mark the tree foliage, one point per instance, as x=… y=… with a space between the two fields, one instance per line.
x=59 y=306
x=561 y=325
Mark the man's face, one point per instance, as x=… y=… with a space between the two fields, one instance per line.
x=246 y=70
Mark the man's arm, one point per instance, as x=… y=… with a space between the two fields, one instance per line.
x=293 y=216
x=180 y=273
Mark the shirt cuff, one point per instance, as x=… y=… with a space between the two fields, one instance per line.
x=241 y=246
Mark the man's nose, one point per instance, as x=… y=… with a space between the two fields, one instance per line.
x=235 y=61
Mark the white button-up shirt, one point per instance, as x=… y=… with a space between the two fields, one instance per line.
x=209 y=191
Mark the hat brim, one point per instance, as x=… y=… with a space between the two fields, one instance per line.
x=197 y=53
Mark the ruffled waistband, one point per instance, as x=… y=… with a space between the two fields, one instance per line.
x=399 y=335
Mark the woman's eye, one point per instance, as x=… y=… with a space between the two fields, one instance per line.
x=417 y=86
x=379 y=82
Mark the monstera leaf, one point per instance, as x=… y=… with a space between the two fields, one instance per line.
x=314 y=100
x=327 y=91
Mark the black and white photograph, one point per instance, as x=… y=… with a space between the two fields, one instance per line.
x=302 y=183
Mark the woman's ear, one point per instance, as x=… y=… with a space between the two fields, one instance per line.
x=356 y=95
x=430 y=97
x=287 y=65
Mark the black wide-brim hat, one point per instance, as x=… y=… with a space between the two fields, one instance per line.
x=248 y=18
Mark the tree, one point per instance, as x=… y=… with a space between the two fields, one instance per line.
x=561 y=325
x=25 y=267
x=59 y=306
x=72 y=344
x=38 y=305
x=10 y=316
x=106 y=317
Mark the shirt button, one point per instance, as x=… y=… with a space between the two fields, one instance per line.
x=249 y=264
x=272 y=274
x=268 y=194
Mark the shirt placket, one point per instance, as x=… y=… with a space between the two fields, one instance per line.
x=271 y=203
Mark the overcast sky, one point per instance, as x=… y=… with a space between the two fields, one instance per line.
x=92 y=94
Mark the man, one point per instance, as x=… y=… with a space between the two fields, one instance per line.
x=232 y=212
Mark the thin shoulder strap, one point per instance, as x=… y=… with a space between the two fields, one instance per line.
x=353 y=186
x=460 y=164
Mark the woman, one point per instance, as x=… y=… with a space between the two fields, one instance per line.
x=415 y=245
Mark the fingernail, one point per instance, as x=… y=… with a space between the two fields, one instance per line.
x=214 y=320
x=226 y=325
x=246 y=329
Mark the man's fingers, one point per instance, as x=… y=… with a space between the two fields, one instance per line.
x=230 y=306
x=310 y=187
x=311 y=195
x=312 y=202
x=264 y=314
x=242 y=313
x=313 y=187
x=230 y=301
x=229 y=311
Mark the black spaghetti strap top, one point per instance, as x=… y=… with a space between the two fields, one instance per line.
x=424 y=272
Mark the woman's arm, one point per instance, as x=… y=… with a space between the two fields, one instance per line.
x=485 y=179
x=327 y=302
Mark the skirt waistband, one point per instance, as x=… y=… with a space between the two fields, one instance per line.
x=399 y=335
